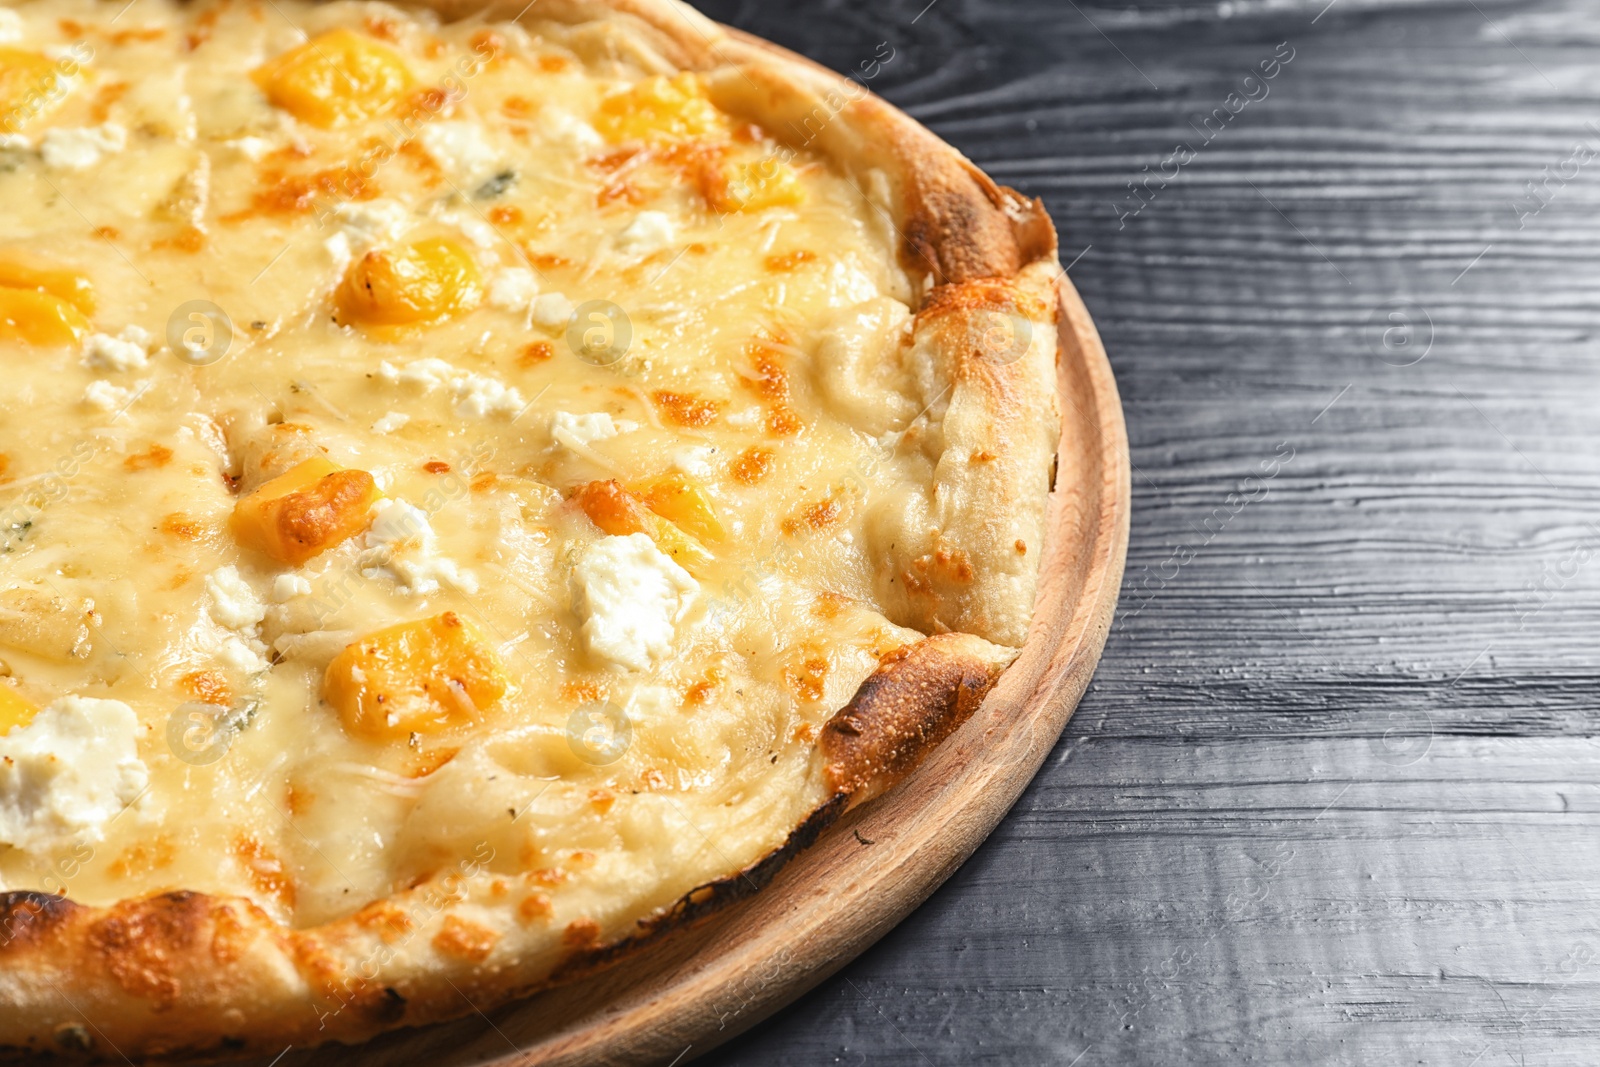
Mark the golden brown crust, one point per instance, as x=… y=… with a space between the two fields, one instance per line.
x=184 y=975
x=914 y=700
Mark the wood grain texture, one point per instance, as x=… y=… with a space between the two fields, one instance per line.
x=1397 y=628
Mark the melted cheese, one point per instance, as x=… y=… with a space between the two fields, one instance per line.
x=653 y=298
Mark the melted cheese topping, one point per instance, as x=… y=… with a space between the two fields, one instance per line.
x=461 y=453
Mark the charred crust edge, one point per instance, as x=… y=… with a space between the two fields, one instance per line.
x=28 y=917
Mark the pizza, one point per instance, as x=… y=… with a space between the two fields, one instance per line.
x=479 y=490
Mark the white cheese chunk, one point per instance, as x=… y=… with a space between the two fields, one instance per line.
x=391 y=422
x=81 y=147
x=552 y=310
x=563 y=127
x=578 y=432
x=366 y=224
x=630 y=596
x=233 y=602
x=426 y=374
x=69 y=772
x=10 y=26
x=694 y=460
x=513 y=289
x=129 y=350
x=242 y=656
x=103 y=396
x=476 y=395
x=285 y=587
x=650 y=231
x=401 y=545
x=461 y=149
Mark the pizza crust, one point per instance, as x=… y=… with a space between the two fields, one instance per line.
x=184 y=974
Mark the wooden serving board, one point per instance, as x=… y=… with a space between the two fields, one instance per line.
x=703 y=986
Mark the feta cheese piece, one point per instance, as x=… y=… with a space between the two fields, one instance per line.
x=366 y=224
x=476 y=395
x=631 y=596
x=513 y=289
x=10 y=26
x=285 y=587
x=233 y=603
x=650 y=231
x=242 y=656
x=81 y=147
x=578 y=432
x=552 y=311
x=563 y=127
x=103 y=396
x=461 y=148
x=391 y=422
x=402 y=545
x=69 y=772
x=694 y=460
x=427 y=374
x=129 y=350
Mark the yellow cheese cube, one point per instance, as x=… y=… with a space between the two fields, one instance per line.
x=306 y=511
x=416 y=677
x=416 y=284
x=21 y=271
x=15 y=712
x=684 y=502
x=662 y=111
x=335 y=79
x=620 y=512
x=762 y=184
x=36 y=317
x=31 y=85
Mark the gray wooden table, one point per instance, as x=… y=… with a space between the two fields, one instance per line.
x=1332 y=796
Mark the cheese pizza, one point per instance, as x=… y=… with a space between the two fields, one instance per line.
x=479 y=490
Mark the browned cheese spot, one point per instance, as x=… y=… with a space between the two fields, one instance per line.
x=685 y=409
x=150 y=458
x=182 y=527
x=535 y=906
x=581 y=933
x=209 y=687
x=389 y=921
x=265 y=870
x=465 y=940
x=752 y=465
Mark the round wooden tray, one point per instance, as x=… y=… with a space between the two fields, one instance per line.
x=703 y=986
